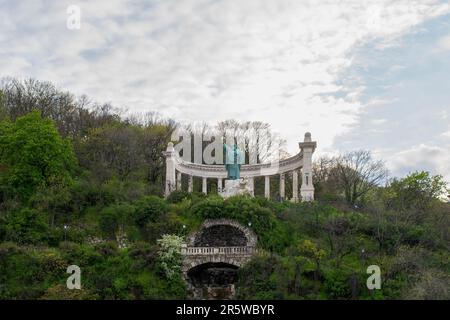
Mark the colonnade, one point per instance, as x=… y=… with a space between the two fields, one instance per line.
x=298 y=164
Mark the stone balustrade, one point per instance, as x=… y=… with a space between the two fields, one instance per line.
x=195 y=251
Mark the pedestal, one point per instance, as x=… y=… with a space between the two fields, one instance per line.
x=236 y=187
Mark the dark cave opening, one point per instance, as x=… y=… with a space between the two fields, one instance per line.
x=212 y=281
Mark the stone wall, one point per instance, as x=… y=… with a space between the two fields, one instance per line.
x=227 y=225
x=220 y=236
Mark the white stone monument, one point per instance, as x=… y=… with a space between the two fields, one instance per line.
x=236 y=187
x=241 y=180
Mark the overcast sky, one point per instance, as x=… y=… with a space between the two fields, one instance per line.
x=357 y=74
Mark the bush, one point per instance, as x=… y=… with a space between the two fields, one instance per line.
x=61 y=292
x=150 y=209
x=178 y=196
x=144 y=255
x=22 y=275
x=342 y=284
x=26 y=226
x=255 y=279
x=167 y=224
x=272 y=234
x=114 y=217
x=169 y=255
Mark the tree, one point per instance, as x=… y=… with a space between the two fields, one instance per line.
x=358 y=174
x=113 y=219
x=150 y=209
x=126 y=151
x=310 y=250
x=3 y=113
x=340 y=230
x=326 y=178
x=154 y=142
x=256 y=138
x=416 y=191
x=33 y=155
x=112 y=150
x=430 y=285
x=73 y=117
x=26 y=226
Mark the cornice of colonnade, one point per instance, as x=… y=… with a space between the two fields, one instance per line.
x=247 y=170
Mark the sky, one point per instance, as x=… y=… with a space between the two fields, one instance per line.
x=357 y=74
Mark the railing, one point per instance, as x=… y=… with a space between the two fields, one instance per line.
x=218 y=250
x=247 y=170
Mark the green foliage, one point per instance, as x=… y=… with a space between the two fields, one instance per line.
x=33 y=155
x=3 y=112
x=178 y=196
x=61 y=292
x=170 y=258
x=416 y=191
x=338 y=284
x=114 y=217
x=26 y=226
x=255 y=279
x=272 y=234
x=310 y=250
x=150 y=209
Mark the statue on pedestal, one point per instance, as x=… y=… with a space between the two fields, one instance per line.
x=233 y=161
x=234 y=184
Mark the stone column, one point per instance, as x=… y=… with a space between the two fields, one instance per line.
x=190 y=183
x=204 y=185
x=282 y=186
x=251 y=183
x=170 y=169
x=267 y=187
x=219 y=185
x=295 y=186
x=308 y=147
x=179 y=181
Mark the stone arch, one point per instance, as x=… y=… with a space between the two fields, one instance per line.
x=240 y=230
x=210 y=266
x=201 y=260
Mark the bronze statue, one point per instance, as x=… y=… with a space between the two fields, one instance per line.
x=233 y=160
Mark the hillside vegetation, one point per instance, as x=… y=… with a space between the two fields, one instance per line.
x=81 y=184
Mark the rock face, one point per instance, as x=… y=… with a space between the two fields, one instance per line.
x=236 y=187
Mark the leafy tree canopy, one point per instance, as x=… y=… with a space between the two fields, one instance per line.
x=33 y=155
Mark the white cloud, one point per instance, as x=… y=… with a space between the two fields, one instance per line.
x=275 y=61
x=444 y=43
x=435 y=159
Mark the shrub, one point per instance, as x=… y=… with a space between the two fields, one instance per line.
x=114 y=217
x=167 y=224
x=61 y=292
x=169 y=256
x=150 y=209
x=178 y=196
x=26 y=226
x=337 y=285
x=255 y=279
